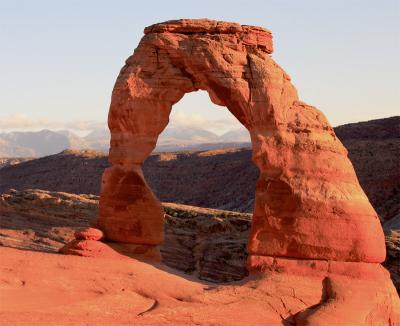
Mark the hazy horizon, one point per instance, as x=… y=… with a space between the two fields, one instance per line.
x=60 y=60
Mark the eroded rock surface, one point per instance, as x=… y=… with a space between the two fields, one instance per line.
x=43 y=220
x=207 y=243
x=37 y=288
x=89 y=233
x=210 y=244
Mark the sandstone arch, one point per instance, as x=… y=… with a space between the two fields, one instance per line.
x=308 y=204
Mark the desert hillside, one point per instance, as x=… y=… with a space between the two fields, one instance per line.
x=374 y=149
x=194 y=178
x=224 y=178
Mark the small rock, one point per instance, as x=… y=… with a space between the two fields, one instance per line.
x=89 y=234
x=89 y=248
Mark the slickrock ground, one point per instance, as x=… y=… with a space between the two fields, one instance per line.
x=204 y=243
x=48 y=289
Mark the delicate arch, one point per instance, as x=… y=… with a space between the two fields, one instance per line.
x=308 y=202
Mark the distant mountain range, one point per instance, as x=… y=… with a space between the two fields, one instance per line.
x=48 y=142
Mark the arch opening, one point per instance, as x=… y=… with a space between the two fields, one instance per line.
x=203 y=161
x=204 y=176
x=195 y=123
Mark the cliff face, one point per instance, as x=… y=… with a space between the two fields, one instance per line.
x=222 y=179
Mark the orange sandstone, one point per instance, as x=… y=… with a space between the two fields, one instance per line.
x=47 y=289
x=89 y=234
x=308 y=201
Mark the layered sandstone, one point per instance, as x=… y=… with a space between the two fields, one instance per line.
x=308 y=202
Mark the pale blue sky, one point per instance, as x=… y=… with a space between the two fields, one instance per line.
x=59 y=59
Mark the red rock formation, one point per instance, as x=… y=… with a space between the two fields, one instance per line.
x=310 y=210
x=89 y=248
x=308 y=202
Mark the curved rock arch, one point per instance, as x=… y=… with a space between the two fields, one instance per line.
x=308 y=205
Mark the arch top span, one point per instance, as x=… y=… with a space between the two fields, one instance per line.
x=230 y=61
x=308 y=204
x=248 y=35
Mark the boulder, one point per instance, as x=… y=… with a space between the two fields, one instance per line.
x=89 y=234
